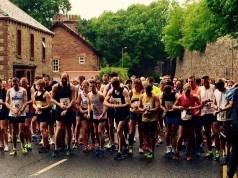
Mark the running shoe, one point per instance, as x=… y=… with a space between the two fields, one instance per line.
x=52 y=141
x=175 y=156
x=108 y=146
x=217 y=155
x=168 y=151
x=209 y=155
x=24 y=151
x=6 y=149
x=68 y=152
x=189 y=158
x=75 y=146
x=13 y=152
x=118 y=156
x=141 y=151
x=101 y=153
x=28 y=146
x=130 y=151
x=223 y=160
x=150 y=155
x=159 y=140
x=55 y=154
x=43 y=150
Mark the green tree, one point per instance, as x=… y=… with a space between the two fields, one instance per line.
x=43 y=10
x=173 y=32
x=227 y=10
x=200 y=27
x=139 y=28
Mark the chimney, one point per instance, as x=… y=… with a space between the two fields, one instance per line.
x=70 y=20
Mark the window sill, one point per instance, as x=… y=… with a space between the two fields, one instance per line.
x=18 y=56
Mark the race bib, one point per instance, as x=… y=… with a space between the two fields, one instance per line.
x=64 y=101
x=116 y=101
x=168 y=104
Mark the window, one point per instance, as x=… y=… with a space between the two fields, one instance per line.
x=32 y=48
x=55 y=65
x=82 y=58
x=43 y=49
x=18 y=44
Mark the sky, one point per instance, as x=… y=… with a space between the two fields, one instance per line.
x=93 y=8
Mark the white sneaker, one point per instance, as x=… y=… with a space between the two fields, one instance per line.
x=41 y=142
x=52 y=141
x=141 y=151
x=6 y=149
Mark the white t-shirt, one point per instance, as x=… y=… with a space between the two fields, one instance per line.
x=207 y=94
x=17 y=100
x=221 y=101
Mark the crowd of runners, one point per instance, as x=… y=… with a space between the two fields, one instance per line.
x=195 y=115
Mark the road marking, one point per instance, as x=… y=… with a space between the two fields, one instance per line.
x=224 y=172
x=49 y=167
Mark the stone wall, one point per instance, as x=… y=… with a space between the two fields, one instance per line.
x=41 y=67
x=220 y=60
x=8 y=51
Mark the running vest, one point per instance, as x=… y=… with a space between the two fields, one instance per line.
x=84 y=100
x=207 y=94
x=118 y=98
x=2 y=99
x=40 y=100
x=97 y=105
x=63 y=95
x=188 y=102
x=135 y=99
x=168 y=102
x=17 y=99
x=148 y=103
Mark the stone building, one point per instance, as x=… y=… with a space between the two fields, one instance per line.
x=25 y=44
x=71 y=52
x=220 y=60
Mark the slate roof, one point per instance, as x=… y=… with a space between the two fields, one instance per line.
x=8 y=10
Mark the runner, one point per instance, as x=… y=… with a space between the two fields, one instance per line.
x=118 y=99
x=77 y=125
x=171 y=117
x=63 y=96
x=207 y=113
x=42 y=105
x=51 y=120
x=35 y=128
x=27 y=129
x=188 y=104
x=135 y=116
x=96 y=100
x=195 y=90
x=105 y=81
x=149 y=106
x=15 y=101
x=84 y=115
x=222 y=122
x=3 y=120
x=110 y=115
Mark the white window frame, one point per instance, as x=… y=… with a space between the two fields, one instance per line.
x=55 y=65
x=82 y=58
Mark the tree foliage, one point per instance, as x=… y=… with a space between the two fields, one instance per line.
x=200 y=27
x=139 y=28
x=173 y=32
x=227 y=10
x=43 y=10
